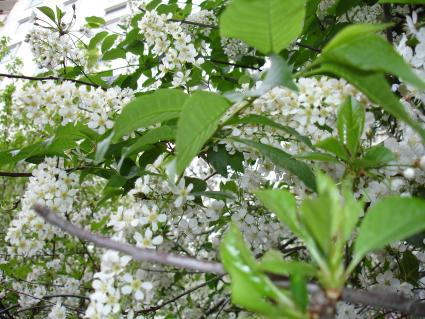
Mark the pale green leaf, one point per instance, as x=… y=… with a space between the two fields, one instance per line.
x=268 y=25
x=146 y=110
x=199 y=120
x=282 y=203
x=369 y=52
x=350 y=124
x=390 y=220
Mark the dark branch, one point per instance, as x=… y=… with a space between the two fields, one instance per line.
x=306 y=46
x=13 y=174
x=376 y=299
x=47 y=78
x=184 y=293
x=236 y=64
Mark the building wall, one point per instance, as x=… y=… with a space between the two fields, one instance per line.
x=19 y=21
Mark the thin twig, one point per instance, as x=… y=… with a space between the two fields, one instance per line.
x=184 y=293
x=47 y=78
x=14 y=174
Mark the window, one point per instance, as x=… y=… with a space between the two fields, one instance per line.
x=68 y=3
x=116 y=12
x=33 y=3
x=23 y=28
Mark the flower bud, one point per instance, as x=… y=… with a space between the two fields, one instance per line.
x=409 y=173
x=422 y=162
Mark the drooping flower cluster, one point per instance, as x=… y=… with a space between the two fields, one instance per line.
x=170 y=42
x=50 y=186
x=52 y=49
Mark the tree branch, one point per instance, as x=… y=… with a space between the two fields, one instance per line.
x=376 y=299
x=184 y=293
x=138 y=254
x=46 y=78
x=13 y=174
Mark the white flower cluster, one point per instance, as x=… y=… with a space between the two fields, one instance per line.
x=113 y=283
x=50 y=186
x=235 y=48
x=39 y=104
x=52 y=49
x=206 y=17
x=308 y=111
x=171 y=43
x=415 y=56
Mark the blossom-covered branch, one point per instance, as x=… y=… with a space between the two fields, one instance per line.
x=376 y=299
x=138 y=254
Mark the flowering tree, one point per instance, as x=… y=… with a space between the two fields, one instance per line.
x=231 y=159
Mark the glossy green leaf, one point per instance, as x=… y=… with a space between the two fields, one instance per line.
x=284 y=160
x=350 y=124
x=146 y=110
x=299 y=290
x=199 y=120
x=389 y=220
x=163 y=133
x=375 y=157
x=334 y=146
x=369 y=52
x=48 y=12
x=268 y=25
x=250 y=287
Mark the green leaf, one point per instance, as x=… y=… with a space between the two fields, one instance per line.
x=146 y=110
x=285 y=161
x=48 y=12
x=334 y=146
x=299 y=290
x=390 y=220
x=96 y=39
x=108 y=42
x=409 y=267
x=375 y=157
x=113 y=54
x=369 y=52
x=376 y=88
x=350 y=124
x=163 y=133
x=282 y=203
x=268 y=25
x=198 y=121
x=262 y=120
x=250 y=288
x=95 y=21
x=273 y=262
x=221 y=159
